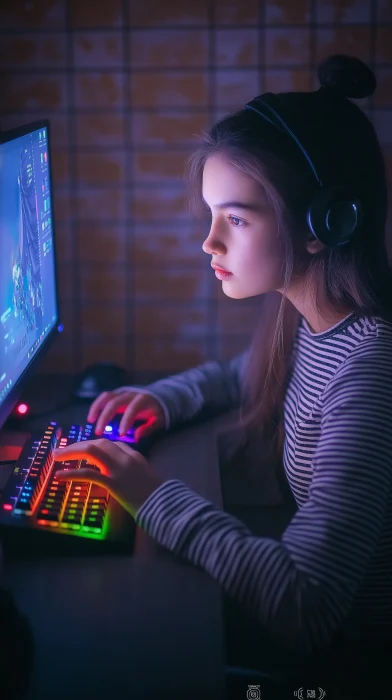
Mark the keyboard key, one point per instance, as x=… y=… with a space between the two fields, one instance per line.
x=53 y=517
x=94 y=522
x=74 y=511
x=74 y=519
x=66 y=464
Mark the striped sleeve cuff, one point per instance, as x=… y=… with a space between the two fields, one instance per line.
x=168 y=513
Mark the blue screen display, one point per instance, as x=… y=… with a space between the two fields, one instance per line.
x=28 y=308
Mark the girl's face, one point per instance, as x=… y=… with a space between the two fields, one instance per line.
x=243 y=237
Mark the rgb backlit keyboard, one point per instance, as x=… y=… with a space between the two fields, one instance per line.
x=34 y=497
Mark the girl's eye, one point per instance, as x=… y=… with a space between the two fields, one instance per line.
x=236 y=221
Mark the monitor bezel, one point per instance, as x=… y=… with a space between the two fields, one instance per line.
x=13 y=396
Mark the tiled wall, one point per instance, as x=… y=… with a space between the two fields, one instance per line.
x=127 y=84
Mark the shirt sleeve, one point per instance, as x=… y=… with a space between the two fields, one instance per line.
x=304 y=586
x=214 y=386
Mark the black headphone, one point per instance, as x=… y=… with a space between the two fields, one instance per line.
x=335 y=213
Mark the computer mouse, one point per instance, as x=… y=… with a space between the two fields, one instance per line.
x=99 y=377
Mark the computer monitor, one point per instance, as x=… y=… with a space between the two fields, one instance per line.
x=29 y=312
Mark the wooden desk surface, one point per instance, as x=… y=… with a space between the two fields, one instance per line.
x=133 y=627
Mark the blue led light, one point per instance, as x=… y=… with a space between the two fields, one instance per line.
x=108 y=429
x=60 y=328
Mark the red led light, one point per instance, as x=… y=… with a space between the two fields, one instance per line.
x=22 y=408
x=7 y=506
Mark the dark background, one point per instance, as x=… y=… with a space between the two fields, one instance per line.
x=127 y=85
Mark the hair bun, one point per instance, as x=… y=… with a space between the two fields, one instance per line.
x=347 y=75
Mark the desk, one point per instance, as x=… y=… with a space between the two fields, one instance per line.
x=130 y=627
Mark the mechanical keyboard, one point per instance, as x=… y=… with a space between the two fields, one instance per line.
x=35 y=507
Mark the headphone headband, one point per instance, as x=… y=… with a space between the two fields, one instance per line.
x=266 y=106
x=335 y=214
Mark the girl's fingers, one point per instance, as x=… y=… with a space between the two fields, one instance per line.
x=108 y=412
x=103 y=453
x=130 y=413
x=83 y=475
x=97 y=405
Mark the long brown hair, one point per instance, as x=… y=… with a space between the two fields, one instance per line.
x=353 y=277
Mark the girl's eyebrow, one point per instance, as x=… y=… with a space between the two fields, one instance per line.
x=238 y=205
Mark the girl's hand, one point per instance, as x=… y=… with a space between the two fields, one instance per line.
x=133 y=405
x=125 y=473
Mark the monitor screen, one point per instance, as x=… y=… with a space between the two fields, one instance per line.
x=28 y=292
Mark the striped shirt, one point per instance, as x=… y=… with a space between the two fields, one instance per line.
x=332 y=568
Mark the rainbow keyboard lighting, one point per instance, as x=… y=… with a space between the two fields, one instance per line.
x=34 y=497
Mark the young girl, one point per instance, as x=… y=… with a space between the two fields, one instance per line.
x=296 y=189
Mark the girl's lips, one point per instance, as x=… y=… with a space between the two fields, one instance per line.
x=221 y=275
x=221 y=269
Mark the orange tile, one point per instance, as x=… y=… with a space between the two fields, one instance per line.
x=99 y=89
x=183 y=320
x=236 y=13
x=63 y=241
x=99 y=202
x=234 y=88
x=167 y=127
x=384 y=44
x=287 y=12
x=100 y=168
x=384 y=10
x=169 y=89
x=33 y=50
x=45 y=14
x=155 y=13
x=33 y=92
x=164 y=284
x=166 y=167
x=236 y=317
x=351 y=40
x=100 y=242
x=169 y=354
x=89 y=13
x=182 y=48
x=349 y=11
x=168 y=243
x=102 y=319
x=102 y=282
x=158 y=204
x=60 y=166
x=287 y=46
x=287 y=80
x=103 y=129
x=98 y=49
x=236 y=47
x=107 y=350
x=383 y=94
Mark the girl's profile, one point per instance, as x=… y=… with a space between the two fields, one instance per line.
x=294 y=188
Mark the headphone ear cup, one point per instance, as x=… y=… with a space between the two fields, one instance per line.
x=334 y=216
